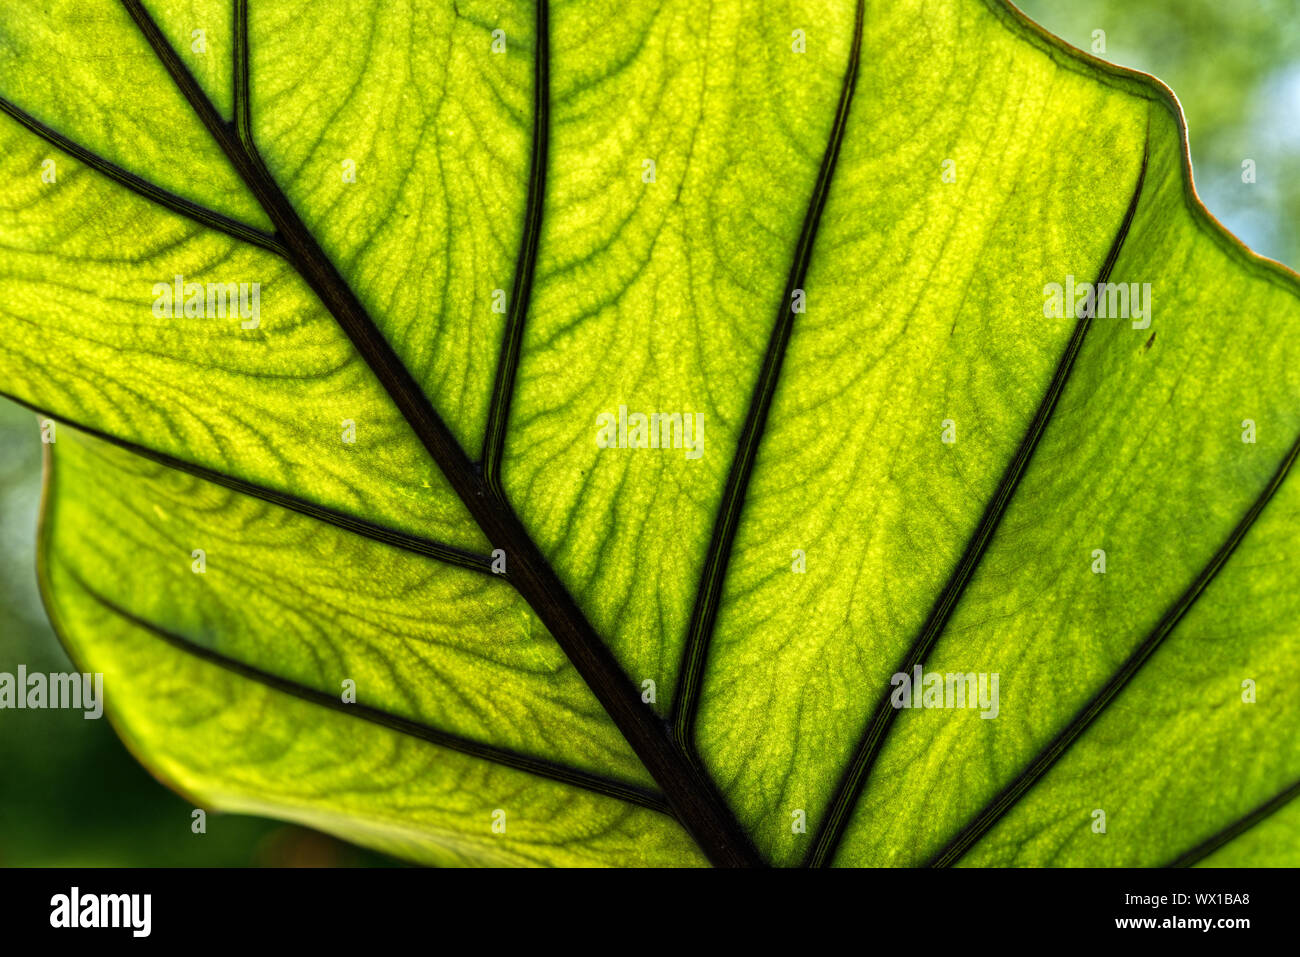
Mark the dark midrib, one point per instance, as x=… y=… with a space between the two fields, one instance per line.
x=521 y=293
x=692 y=797
x=448 y=554
x=705 y=611
x=454 y=742
x=1051 y=753
x=855 y=776
x=142 y=187
x=1236 y=828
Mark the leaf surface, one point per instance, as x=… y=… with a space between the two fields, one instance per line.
x=470 y=246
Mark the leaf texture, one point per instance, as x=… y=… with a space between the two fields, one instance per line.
x=824 y=230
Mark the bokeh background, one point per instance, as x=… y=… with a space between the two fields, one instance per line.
x=71 y=795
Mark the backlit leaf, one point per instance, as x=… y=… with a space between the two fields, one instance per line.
x=353 y=551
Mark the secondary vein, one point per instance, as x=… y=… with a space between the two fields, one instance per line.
x=541 y=767
x=521 y=292
x=854 y=779
x=1052 y=752
x=448 y=554
x=727 y=520
x=1237 y=827
x=142 y=187
x=691 y=795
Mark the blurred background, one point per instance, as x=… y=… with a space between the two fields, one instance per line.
x=70 y=794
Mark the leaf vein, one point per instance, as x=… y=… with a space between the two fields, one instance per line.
x=871 y=742
x=541 y=767
x=142 y=187
x=708 y=595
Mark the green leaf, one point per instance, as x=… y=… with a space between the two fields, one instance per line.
x=826 y=231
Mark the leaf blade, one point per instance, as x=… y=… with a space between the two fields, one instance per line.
x=933 y=329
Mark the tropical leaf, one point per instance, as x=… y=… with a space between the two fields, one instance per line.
x=370 y=543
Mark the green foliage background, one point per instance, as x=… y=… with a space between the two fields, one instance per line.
x=70 y=794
